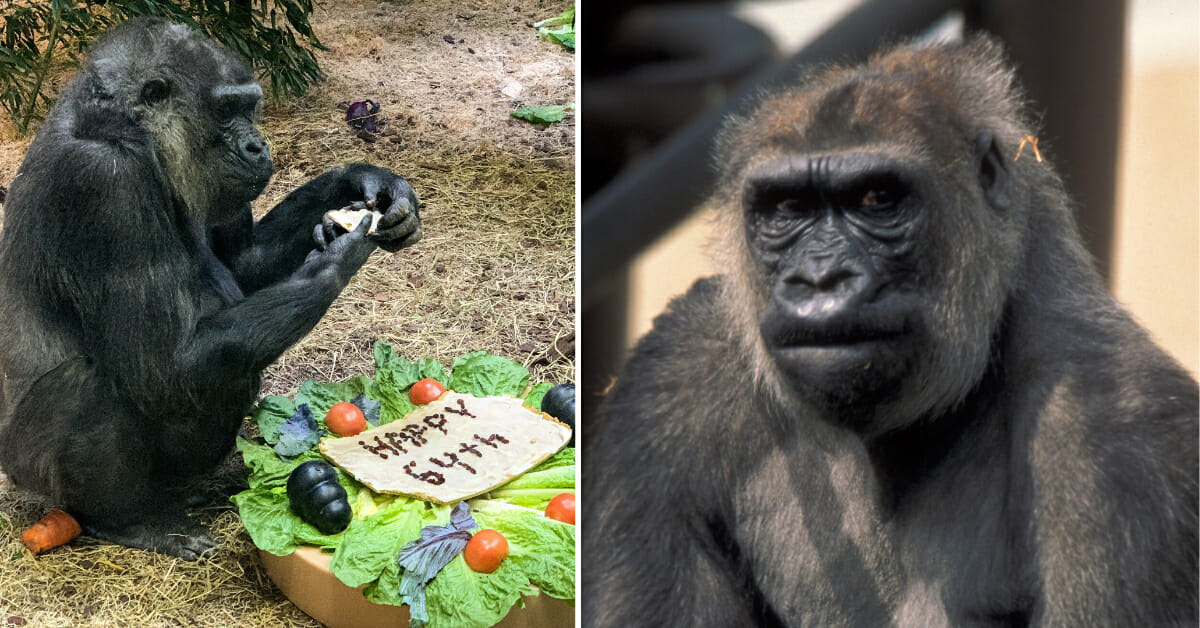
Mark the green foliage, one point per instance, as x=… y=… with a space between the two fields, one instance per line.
x=41 y=38
x=33 y=33
x=544 y=115
x=559 y=29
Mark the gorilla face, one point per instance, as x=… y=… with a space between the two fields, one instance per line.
x=835 y=233
x=866 y=251
x=200 y=105
x=241 y=149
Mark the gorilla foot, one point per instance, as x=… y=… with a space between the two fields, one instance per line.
x=215 y=489
x=179 y=537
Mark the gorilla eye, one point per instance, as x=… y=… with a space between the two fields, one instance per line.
x=790 y=206
x=155 y=91
x=875 y=198
x=879 y=198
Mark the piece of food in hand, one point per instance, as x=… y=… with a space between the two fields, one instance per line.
x=455 y=448
x=317 y=497
x=55 y=529
x=485 y=551
x=345 y=419
x=562 y=508
x=348 y=219
x=425 y=391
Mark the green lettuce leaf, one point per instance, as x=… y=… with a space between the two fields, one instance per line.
x=322 y=397
x=534 y=398
x=536 y=487
x=394 y=375
x=268 y=518
x=267 y=469
x=366 y=552
x=462 y=598
x=544 y=549
x=271 y=413
x=565 y=18
x=483 y=374
x=370 y=543
x=544 y=115
x=560 y=29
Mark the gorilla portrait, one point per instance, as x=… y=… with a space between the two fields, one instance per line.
x=140 y=299
x=908 y=401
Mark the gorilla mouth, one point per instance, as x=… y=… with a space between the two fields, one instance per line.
x=782 y=330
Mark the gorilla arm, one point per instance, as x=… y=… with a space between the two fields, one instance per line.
x=1112 y=539
x=263 y=253
x=147 y=319
x=657 y=551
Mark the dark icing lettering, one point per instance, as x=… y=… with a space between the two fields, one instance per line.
x=453 y=460
x=432 y=477
x=414 y=434
x=462 y=409
x=382 y=449
x=490 y=441
x=437 y=422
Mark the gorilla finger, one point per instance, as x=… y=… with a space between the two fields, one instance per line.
x=370 y=191
x=392 y=246
x=402 y=229
x=319 y=239
x=400 y=210
x=332 y=230
x=364 y=225
x=354 y=253
x=346 y=241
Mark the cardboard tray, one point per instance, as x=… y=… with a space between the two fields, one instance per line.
x=304 y=577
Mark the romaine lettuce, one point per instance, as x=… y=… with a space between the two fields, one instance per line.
x=542 y=551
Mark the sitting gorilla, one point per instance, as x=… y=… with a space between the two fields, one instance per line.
x=140 y=300
x=908 y=401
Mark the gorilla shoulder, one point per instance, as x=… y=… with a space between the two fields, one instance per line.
x=697 y=318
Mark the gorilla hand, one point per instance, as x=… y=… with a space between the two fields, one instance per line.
x=343 y=255
x=391 y=195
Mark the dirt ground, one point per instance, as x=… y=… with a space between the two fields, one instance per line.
x=495 y=270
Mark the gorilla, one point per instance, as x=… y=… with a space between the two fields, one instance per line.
x=909 y=401
x=140 y=300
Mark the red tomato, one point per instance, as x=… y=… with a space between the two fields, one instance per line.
x=485 y=550
x=426 y=390
x=562 y=508
x=345 y=419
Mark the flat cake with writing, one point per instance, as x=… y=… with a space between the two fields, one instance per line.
x=451 y=449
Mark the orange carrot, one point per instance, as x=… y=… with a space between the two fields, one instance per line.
x=56 y=528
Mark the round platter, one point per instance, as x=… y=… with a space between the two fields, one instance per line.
x=304 y=577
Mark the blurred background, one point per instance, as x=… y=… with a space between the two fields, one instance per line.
x=1117 y=85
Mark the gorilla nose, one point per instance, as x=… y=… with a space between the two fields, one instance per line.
x=257 y=156
x=818 y=272
x=255 y=150
x=820 y=285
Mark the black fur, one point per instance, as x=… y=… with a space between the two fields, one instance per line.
x=140 y=299
x=955 y=426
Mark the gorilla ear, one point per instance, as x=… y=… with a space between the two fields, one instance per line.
x=155 y=91
x=993 y=171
